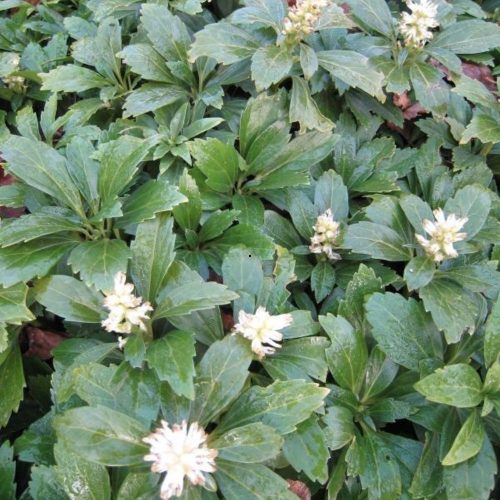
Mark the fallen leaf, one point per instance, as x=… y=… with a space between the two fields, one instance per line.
x=41 y=342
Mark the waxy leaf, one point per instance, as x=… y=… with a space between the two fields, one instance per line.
x=152 y=253
x=403 y=329
x=99 y=261
x=468 y=441
x=252 y=443
x=221 y=375
x=171 y=357
x=102 y=435
x=347 y=354
x=42 y=168
x=71 y=299
x=281 y=405
x=456 y=385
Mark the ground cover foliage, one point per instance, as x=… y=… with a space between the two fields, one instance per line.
x=220 y=216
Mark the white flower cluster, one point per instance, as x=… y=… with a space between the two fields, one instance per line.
x=15 y=83
x=443 y=233
x=263 y=330
x=325 y=236
x=180 y=451
x=303 y=18
x=125 y=309
x=416 y=27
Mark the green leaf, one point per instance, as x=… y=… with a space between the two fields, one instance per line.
x=207 y=325
x=475 y=278
x=193 y=295
x=453 y=309
x=79 y=478
x=473 y=202
x=149 y=199
x=134 y=392
x=44 y=484
x=347 y=354
x=416 y=210
x=102 y=435
x=224 y=42
x=419 y=272
x=492 y=335
x=216 y=224
x=374 y=14
x=373 y=461
x=219 y=161
x=483 y=127
x=250 y=481
x=354 y=69
x=340 y=427
x=70 y=299
x=468 y=37
x=303 y=213
x=152 y=253
x=27 y=123
x=266 y=12
x=30 y=227
x=270 y=64
x=139 y=485
x=378 y=241
x=330 y=192
x=12 y=377
x=84 y=171
x=72 y=78
x=492 y=380
x=468 y=442
x=120 y=161
x=248 y=235
x=474 y=91
x=455 y=385
x=251 y=209
x=307 y=451
x=42 y=168
x=150 y=97
x=430 y=89
x=380 y=372
x=98 y=261
x=13 y=195
x=34 y=259
x=281 y=230
x=242 y=271
x=167 y=32
x=7 y=472
x=13 y=305
x=473 y=479
x=363 y=283
x=281 y=405
x=428 y=478
x=322 y=280
x=147 y=62
x=171 y=357
x=221 y=375
x=200 y=126
x=259 y=114
x=308 y=61
x=188 y=215
x=253 y=443
x=303 y=325
x=403 y=329
x=302 y=358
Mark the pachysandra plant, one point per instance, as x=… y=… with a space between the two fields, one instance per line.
x=249 y=249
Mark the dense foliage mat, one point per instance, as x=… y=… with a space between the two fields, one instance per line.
x=249 y=249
